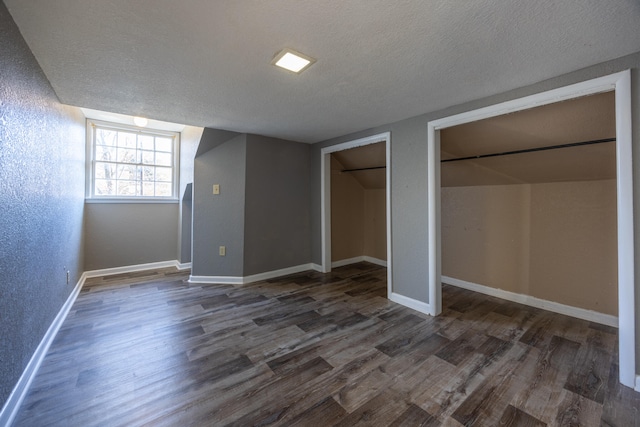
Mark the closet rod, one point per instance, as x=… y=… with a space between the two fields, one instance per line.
x=363 y=169
x=531 y=150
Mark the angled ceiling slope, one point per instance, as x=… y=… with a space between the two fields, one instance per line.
x=579 y=120
x=370 y=159
x=207 y=63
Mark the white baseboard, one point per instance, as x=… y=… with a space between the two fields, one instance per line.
x=343 y=262
x=316 y=267
x=420 y=306
x=556 y=307
x=183 y=265
x=132 y=268
x=220 y=280
x=376 y=261
x=277 y=273
x=243 y=280
x=12 y=405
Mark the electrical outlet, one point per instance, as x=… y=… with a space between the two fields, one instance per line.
x=216 y=188
x=223 y=250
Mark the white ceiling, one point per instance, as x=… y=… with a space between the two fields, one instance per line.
x=207 y=63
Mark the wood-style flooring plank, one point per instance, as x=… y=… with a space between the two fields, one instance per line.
x=151 y=349
x=576 y=410
x=415 y=416
x=622 y=404
x=514 y=417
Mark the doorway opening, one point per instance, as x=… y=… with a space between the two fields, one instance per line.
x=620 y=83
x=528 y=207
x=332 y=156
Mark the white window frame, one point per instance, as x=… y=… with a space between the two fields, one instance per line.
x=91 y=197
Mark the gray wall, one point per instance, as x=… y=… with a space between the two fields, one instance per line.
x=408 y=203
x=41 y=203
x=409 y=177
x=211 y=138
x=189 y=143
x=219 y=220
x=122 y=234
x=186 y=220
x=190 y=139
x=276 y=233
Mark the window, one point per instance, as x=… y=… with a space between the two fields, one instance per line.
x=132 y=163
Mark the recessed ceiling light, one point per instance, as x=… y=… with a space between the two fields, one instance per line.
x=292 y=60
x=140 y=121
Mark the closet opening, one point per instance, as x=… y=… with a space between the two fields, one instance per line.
x=547 y=203
x=530 y=216
x=356 y=223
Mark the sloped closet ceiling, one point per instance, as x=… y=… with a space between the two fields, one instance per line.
x=583 y=119
x=365 y=157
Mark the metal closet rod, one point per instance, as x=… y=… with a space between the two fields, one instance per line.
x=363 y=169
x=531 y=150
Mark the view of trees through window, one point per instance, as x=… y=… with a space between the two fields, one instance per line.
x=132 y=164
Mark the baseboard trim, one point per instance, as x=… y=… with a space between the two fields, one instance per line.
x=219 y=280
x=12 y=405
x=354 y=260
x=377 y=261
x=183 y=266
x=277 y=273
x=316 y=267
x=243 y=280
x=343 y=262
x=556 y=307
x=134 y=268
x=420 y=306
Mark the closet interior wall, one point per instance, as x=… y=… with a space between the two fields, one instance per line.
x=553 y=241
x=542 y=223
x=358 y=217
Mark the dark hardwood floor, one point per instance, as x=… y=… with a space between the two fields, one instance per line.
x=319 y=350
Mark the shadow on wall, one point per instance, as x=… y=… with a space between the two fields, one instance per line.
x=185 y=236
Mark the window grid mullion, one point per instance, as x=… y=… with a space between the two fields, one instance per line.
x=123 y=171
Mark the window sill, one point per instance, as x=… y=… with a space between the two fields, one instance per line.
x=131 y=200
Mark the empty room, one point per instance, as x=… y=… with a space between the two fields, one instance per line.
x=319 y=213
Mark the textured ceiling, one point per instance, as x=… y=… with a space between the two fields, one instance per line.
x=583 y=119
x=207 y=63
